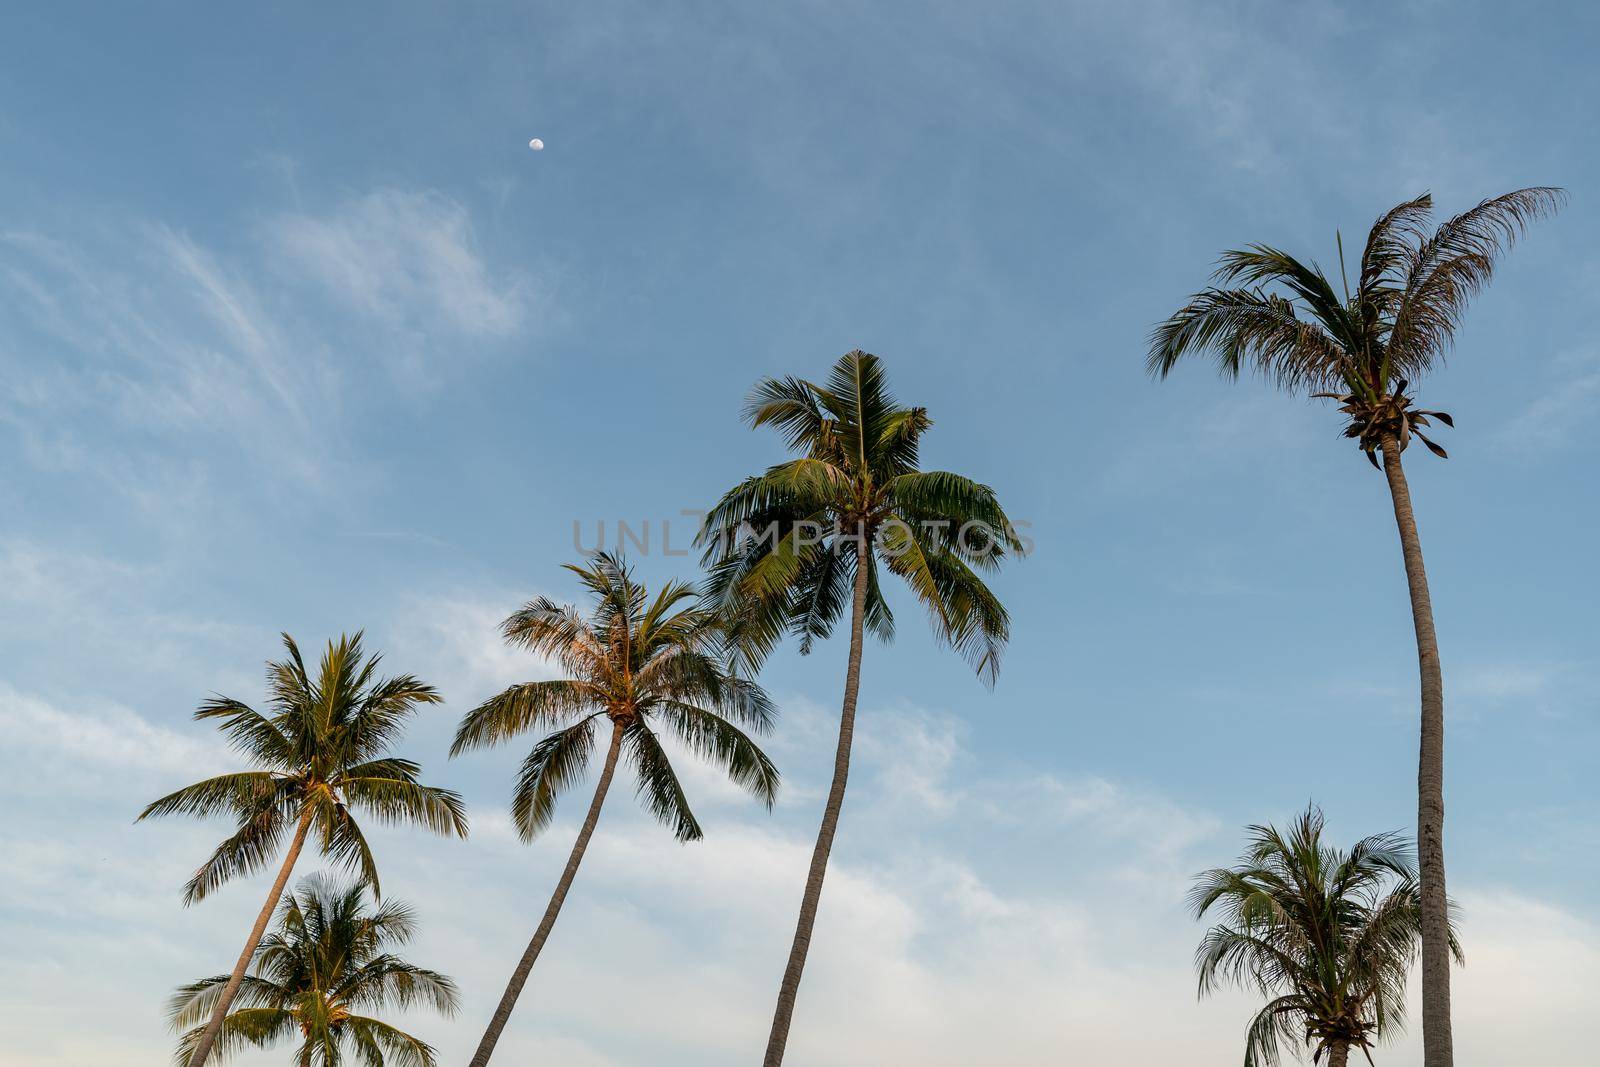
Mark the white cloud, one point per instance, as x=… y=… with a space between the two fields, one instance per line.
x=1528 y=980
x=54 y=597
x=942 y=941
x=407 y=259
x=122 y=342
x=453 y=642
x=150 y=339
x=98 y=739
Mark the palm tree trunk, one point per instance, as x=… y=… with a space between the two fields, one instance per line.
x=778 y=1041
x=1338 y=1054
x=231 y=990
x=519 y=977
x=1437 y=1050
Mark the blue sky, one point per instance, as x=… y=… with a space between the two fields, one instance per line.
x=297 y=334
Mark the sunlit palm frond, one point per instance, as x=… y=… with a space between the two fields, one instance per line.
x=243 y=792
x=319 y=729
x=546 y=628
x=379 y=715
x=524 y=707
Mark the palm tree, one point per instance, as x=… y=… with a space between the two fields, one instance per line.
x=319 y=755
x=329 y=959
x=1270 y=311
x=788 y=549
x=638 y=663
x=1329 y=936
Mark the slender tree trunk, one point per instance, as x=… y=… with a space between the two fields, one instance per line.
x=519 y=977
x=231 y=990
x=778 y=1041
x=1338 y=1054
x=1437 y=1049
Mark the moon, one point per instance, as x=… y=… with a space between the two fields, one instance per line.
x=536 y=144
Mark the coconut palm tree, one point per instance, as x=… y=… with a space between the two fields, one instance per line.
x=329 y=959
x=790 y=548
x=641 y=665
x=1271 y=312
x=1328 y=936
x=319 y=755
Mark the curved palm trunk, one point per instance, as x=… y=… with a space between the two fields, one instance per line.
x=1338 y=1054
x=778 y=1041
x=519 y=977
x=1437 y=1050
x=231 y=990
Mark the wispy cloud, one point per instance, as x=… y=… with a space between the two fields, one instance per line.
x=115 y=743
x=409 y=261
x=152 y=341
x=144 y=357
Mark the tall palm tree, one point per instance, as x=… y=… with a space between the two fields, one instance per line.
x=319 y=754
x=329 y=959
x=636 y=663
x=788 y=549
x=1269 y=311
x=1328 y=935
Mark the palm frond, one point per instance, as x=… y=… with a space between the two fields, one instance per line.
x=554 y=764
x=520 y=708
x=1448 y=269
x=715 y=739
x=394 y=1047
x=1249 y=328
x=244 y=852
x=388 y=790
x=658 y=786
x=965 y=613
x=226 y=794
x=1329 y=935
x=241 y=1029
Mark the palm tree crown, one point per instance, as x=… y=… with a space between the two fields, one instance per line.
x=782 y=545
x=1270 y=311
x=1328 y=935
x=329 y=960
x=320 y=754
x=639 y=663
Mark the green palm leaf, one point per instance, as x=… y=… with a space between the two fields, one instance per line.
x=328 y=954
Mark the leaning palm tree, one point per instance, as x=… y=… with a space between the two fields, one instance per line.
x=1273 y=313
x=640 y=664
x=319 y=755
x=329 y=960
x=790 y=548
x=1328 y=936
